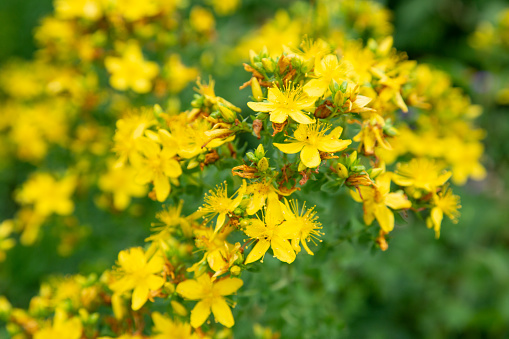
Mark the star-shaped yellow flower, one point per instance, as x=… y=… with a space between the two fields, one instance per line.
x=377 y=200
x=273 y=233
x=210 y=294
x=139 y=274
x=311 y=139
x=291 y=102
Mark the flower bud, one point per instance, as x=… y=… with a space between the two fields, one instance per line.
x=269 y=64
x=260 y=152
x=235 y=270
x=342 y=170
x=227 y=114
x=263 y=164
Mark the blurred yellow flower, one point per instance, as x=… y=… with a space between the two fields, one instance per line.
x=131 y=70
x=139 y=273
x=210 y=294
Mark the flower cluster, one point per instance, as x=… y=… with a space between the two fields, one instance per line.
x=329 y=116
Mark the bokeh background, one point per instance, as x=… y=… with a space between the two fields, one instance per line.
x=456 y=286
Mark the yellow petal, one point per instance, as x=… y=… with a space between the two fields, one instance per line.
x=222 y=312
x=315 y=88
x=220 y=221
x=228 y=286
x=200 y=313
x=216 y=260
x=278 y=116
x=273 y=215
x=161 y=186
x=332 y=145
x=288 y=230
x=154 y=282
x=397 y=201
x=255 y=204
x=301 y=118
x=260 y=106
x=172 y=168
x=190 y=289
x=385 y=217
x=140 y=296
x=291 y=148
x=255 y=229
x=282 y=249
x=310 y=156
x=258 y=251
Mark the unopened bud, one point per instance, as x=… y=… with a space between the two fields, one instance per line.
x=263 y=164
x=269 y=64
x=352 y=157
x=342 y=170
x=375 y=172
x=227 y=114
x=235 y=270
x=339 y=98
x=259 y=152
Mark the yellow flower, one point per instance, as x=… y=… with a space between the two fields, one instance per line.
x=377 y=200
x=289 y=102
x=421 y=173
x=443 y=202
x=372 y=132
x=177 y=74
x=6 y=243
x=138 y=273
x=211 y=297
x=131 y=70
x=218 y=203
x=89 y=9
x=62 y=327
x=260 y=191
x=273 y=232
x=165 y=328
x=311 y=139
x=47 y=194
x=304 y=222
x=119 y=180
x=158 y=164
x=201 y=19
x=326 y=70
x=133 y=10
x=217 y=250
x=128 y=130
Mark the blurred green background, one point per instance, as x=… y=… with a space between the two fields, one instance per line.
x=454 y=287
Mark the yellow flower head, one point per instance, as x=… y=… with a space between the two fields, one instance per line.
x=128 y=130
x=421 y=173
x=119 y=180
x=291 y=101
x=377 y=199
x=304 y=221
x=218 y=203
x=310 y=140
x=211 y=295
x=138 y=273
x=63 y=327
x=326 y=69
x=47 y=194
x=443 y=202
x=165 y=328
x=131 y=70
x=273 y=232
x=158 y=164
